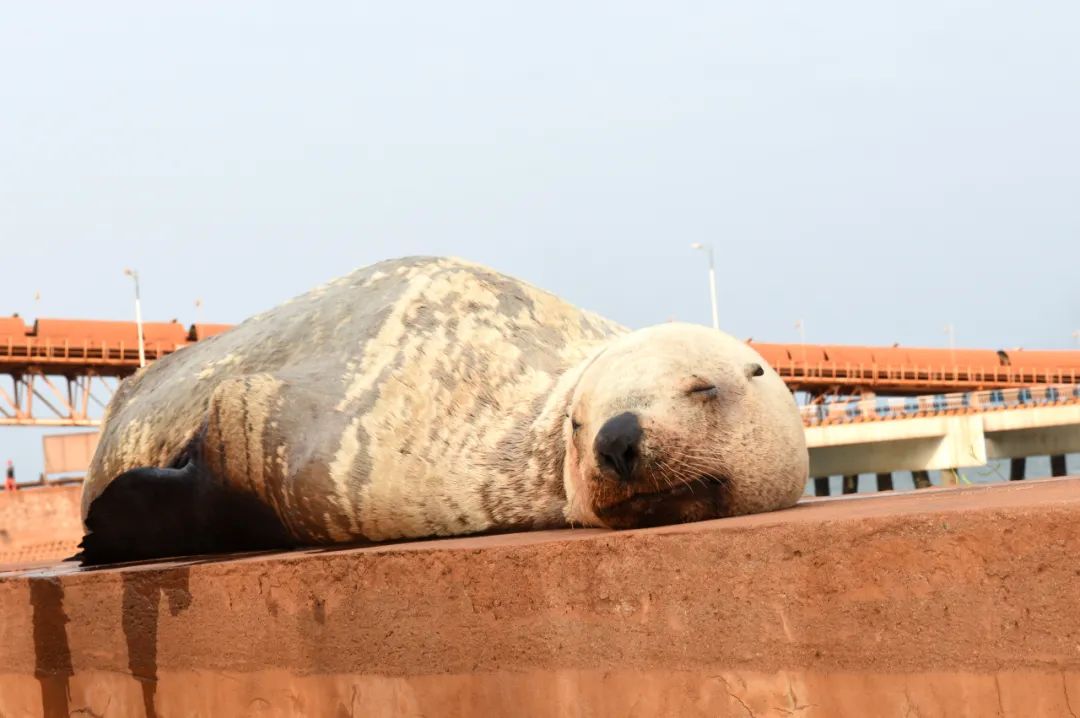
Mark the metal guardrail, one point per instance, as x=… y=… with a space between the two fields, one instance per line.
x=795 y=372
x=87 y=353
x=846 y=411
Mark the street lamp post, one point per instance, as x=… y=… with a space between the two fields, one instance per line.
x=712 y=281
x=138 y=316
x=950 y=330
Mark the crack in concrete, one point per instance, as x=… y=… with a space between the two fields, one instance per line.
x=727 y=688
x=795 y=705
x=1065 y=689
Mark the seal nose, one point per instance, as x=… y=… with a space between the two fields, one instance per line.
x=618 y=444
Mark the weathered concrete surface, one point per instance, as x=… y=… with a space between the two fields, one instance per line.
x=954 y=602
x=39 y=524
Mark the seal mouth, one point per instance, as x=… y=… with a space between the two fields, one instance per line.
x=704 y=497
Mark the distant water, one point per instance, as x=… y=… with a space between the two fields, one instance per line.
x=997 y=470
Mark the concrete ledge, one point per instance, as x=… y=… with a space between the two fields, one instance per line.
x=944 y=602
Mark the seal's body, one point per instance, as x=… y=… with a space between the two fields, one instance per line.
x=427 y=397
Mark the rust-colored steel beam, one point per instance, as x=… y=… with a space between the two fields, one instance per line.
x=24 y=403
x=76 y=346
x=78 y=350
x=62 y=372
x=902 y=371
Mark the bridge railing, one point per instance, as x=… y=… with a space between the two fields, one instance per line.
x=826 y=373
x=30 y=351
x=886 y=408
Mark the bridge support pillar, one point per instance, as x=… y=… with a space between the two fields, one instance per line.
x=884 y=482
x=950 y=477
x=921 y=479
x=1057 y=465
x=821 y=486
x=851 y=484
x=1017 y=469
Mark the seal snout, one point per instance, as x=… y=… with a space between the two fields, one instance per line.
x=618 y=445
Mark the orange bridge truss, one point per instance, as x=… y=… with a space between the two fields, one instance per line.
x=62 y=372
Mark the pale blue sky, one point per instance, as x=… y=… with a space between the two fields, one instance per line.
x=878 y=170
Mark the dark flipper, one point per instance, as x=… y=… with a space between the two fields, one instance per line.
x=157 y=513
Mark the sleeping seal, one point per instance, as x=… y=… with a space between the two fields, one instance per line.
x=433 y=397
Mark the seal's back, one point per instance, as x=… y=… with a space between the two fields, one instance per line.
x=279 y=423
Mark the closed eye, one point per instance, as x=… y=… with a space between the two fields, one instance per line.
x=703 y=390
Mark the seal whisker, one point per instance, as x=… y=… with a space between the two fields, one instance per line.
x=703 y=454
x=665 y=472
x=709 y=459
x=698 y=463
x=685 y=475
x=690 y=466
x=679 y=476
x=696 y=474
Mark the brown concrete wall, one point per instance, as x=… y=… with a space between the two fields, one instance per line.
x=39 y=524
x=956 y=602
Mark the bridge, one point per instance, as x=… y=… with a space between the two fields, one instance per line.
x=942 y=432
x=837 y=370
x=60 y=372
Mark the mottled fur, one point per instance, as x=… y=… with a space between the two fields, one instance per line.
x=424 y=397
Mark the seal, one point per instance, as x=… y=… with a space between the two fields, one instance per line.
x=427 y=397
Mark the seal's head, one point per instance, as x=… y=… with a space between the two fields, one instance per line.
x=676 y=423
